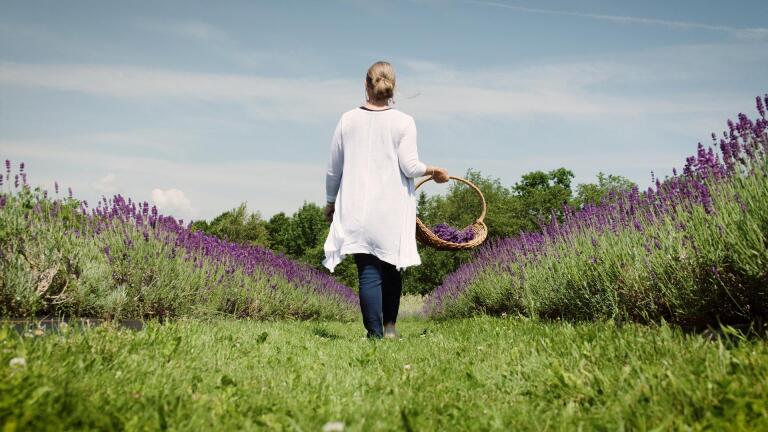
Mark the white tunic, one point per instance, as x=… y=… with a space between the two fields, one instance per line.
x=370 y=178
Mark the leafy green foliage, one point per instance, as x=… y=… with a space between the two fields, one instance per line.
x=295 y=235
x=594 y=193
x=237 y=226
x=543 y=194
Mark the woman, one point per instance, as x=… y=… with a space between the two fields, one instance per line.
x=372 y=206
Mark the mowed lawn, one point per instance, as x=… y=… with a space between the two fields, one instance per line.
x=471 y=374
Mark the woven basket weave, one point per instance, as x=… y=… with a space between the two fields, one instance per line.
x=428 y=238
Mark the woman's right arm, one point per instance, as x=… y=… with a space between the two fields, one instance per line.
x=335 y=166
x=408 y=157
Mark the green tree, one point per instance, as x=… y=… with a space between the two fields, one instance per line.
x=302 y=236
x=543 y=194
x=278 y=230
x=594 y=193
x=307 y=228
x=237 y=225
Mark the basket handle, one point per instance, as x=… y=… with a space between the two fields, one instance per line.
x=468 y=183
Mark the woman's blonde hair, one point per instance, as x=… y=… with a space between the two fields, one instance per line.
x=381 y=80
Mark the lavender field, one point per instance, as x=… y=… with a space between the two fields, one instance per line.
x=692 y=249
x=60 y=256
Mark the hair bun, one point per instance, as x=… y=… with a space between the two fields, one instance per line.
x=381 y=80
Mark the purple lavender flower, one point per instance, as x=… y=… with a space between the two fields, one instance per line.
x=56 y=187
x=21 y=167
x=453 y=235
x=765 y=98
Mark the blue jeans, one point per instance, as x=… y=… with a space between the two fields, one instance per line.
x=380 y=288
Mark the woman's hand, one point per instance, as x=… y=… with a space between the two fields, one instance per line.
x=440 y=175
x=329 y=209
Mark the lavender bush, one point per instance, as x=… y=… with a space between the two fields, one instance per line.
x=691 y=249
x=121 y=258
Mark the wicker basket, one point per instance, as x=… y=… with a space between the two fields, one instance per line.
x=428 y=238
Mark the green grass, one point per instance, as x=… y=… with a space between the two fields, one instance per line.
x=475 y=374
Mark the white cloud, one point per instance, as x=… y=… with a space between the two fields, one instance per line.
x=173 y=202
x=105 y=185
x=739 y=32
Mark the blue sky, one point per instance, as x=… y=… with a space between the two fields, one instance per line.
x=197 y=107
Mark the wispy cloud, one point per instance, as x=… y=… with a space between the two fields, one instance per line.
x=740 y=32
x=227 y=46
x=106 y=184
x=193 y=29
x=278 y=98
x=429 y=90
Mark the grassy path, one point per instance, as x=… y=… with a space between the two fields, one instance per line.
x=474 y=374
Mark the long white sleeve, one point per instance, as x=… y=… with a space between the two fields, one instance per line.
x=408 y=155
x=335 y=166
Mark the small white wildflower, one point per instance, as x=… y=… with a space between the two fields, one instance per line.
x=39 y=332
x=334 y=426
x=407 y=367
x=18 y=362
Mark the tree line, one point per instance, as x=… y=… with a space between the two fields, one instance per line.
x=538 y=196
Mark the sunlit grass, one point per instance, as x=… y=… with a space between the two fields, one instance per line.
x=475 y=374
